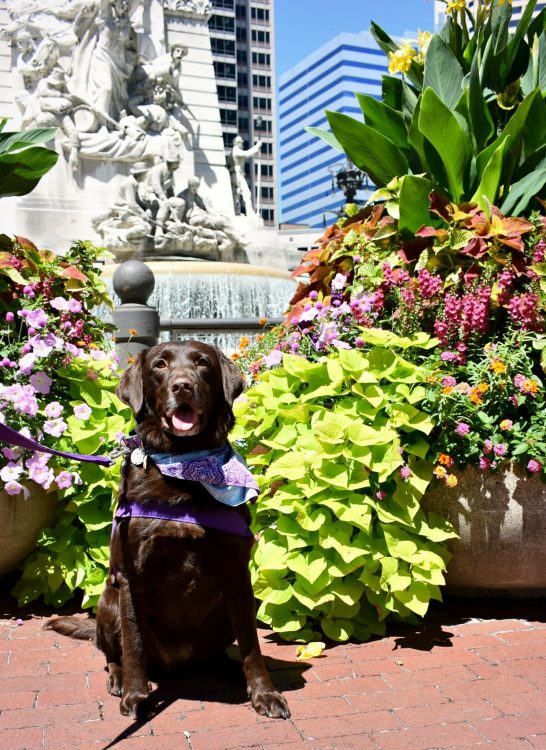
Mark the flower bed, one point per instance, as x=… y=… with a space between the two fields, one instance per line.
x=58 y=382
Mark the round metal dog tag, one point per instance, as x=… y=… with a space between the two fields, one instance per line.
x=138 y=456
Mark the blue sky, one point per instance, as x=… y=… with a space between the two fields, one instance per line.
x=301 y=26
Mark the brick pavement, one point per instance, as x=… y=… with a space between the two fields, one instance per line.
x=471 y=675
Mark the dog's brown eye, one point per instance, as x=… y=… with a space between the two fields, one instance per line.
x=202 y=362
x=160 y=364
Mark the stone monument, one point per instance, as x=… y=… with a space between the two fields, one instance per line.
x=130 y=86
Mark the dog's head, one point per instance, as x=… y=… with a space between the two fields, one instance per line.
x=182 y=394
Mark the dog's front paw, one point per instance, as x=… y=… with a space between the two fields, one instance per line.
x=134 y=704
x=270 y=703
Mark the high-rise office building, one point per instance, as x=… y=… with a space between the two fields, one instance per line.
x=517 y=10
x=327 y=79
x=242 y=41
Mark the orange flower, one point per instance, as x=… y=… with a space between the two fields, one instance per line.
x=497 y=365
x=447 y=389
x=262 y=322
x=260 y=337
x=444 y=459
x=244 y=342
x=133 y=332
x=235 y=355
x=475 y=396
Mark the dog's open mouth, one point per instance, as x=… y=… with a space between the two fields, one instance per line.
x=185 y=419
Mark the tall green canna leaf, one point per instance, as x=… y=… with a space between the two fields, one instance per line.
x=514 y=128
x=384 y=119
x=535 y=75
x=327 y=136
x=414 y=201
x=444 y=131
x=443 y=72
x=522 y=192
x=21 y=171
x=367 y=149
x=490 y=182
x=482 y=125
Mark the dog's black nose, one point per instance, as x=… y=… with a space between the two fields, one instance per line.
x=181 y=384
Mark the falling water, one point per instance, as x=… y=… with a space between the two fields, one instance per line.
x=217 y=291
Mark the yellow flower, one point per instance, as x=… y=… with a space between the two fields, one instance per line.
x=455 y=5
x=447 y=389
x=400 y=61
x=482 y=387
x=529 y=386
x=475 y=396
x=451 y=480
x=244 y=342
x=423 y=40
x=497 y=365
x=440 y=472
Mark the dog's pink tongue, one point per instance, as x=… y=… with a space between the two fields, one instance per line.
x=184 y=418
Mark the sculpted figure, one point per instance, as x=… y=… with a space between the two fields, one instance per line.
x=242 y=195
x=101 y=63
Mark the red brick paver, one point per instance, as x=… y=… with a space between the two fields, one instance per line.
x=473 y=674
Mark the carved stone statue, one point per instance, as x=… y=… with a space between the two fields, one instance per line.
x=241 y=191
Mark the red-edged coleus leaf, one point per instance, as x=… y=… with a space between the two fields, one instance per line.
x=476 y=248
x=71 y=272
x=411 y=250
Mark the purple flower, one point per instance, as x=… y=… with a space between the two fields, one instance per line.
x=34 y=318
x=359 y=342
x=74 y=305
x=534 y=466
x=41 y=382
x=55 y=427
x=10 y=317
x=53 y=410
x=82 y=411
x=405 y=472
x=63 y=480
x=462 y=428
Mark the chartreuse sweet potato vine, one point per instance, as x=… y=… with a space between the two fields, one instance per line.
x=339 y=446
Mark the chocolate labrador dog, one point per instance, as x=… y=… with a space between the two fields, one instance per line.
x=179 y=587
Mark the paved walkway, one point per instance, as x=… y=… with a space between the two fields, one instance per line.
x=472 y=675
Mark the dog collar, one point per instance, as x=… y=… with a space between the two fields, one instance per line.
x=221 y=471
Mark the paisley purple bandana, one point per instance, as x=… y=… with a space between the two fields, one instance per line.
x=221 y=471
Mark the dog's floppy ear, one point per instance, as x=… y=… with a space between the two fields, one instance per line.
x=131 y=388
x=232 y=378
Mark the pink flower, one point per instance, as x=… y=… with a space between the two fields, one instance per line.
x=500 y=449
x=55 y=427
x=485 y=463
x=381 y=494
x=506 y=424
x=487 y=446
x=448 y=356
x=41 y=382
x=405 y=472
x=63 y=480
x=13 y=488
x=449 y=382
x=462 y=428
x=82 y=411
x=10 y=317
x=534 y=466
x=53 y=410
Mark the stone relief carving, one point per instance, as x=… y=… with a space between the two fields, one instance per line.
x=90 y=68
x=148 y=220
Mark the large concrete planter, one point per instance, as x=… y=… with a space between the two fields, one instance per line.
x=21 y=520
x=501 y=521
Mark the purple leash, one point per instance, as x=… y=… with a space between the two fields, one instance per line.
x=12 y=437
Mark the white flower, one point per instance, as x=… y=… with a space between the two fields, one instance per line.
x=11 y=472
x=82 y=411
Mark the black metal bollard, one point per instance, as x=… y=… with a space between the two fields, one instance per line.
x=137 y=323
